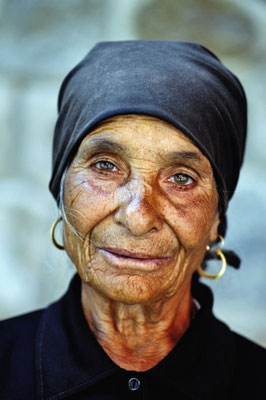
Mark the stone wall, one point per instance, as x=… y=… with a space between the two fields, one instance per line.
x=39 y=42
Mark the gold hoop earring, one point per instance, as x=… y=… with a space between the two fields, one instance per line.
x=59 y=246
x=219 y=253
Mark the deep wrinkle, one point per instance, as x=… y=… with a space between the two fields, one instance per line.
x=140 y=212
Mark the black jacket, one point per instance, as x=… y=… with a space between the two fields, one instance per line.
x=52 y=354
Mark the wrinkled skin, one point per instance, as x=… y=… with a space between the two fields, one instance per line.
x=138 y=198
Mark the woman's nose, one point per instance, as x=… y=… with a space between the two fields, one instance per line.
x=137 y=210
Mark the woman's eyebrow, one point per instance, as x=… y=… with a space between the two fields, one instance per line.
x=175 y=156
x=102 y=145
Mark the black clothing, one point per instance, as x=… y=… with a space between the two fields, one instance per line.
x=52 y=354
x=179 y=82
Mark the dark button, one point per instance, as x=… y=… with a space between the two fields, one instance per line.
x=133 y=384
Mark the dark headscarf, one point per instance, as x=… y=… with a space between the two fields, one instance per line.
x=179 y=82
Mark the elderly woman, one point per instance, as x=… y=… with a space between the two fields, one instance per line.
x=147 y=151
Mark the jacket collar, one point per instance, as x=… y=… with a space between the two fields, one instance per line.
x=69 y=358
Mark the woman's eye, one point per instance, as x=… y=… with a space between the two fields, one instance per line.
x=181 y=179
x=105 y=166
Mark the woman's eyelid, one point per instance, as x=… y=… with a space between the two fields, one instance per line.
x=107 y=159
x=187 y=178
x=183 y=170
x=107 y=162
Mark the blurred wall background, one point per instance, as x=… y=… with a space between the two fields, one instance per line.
x=39 y=42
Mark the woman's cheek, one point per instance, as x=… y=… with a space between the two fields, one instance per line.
x=88 y=204
x=193 y=219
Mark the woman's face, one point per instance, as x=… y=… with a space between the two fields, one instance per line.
x=140 y=188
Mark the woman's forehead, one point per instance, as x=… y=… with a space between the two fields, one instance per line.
x=142 y=134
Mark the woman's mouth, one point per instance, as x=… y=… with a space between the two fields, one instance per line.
x=121 y=258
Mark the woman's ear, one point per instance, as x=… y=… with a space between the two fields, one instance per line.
x=214 y=228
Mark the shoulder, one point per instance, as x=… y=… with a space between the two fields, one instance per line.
x=23 y=324
x=18 y=331
x=249 y=356
x=245 y=349
x=17 y=354
x=238 y=361
x=248 y=349
x=249 y=368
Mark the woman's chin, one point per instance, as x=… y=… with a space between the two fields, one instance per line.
x=131 y=289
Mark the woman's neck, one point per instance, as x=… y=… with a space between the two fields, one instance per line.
x=137 y=337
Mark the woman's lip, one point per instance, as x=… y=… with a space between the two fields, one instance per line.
x=122 y=252
x=120 y=261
